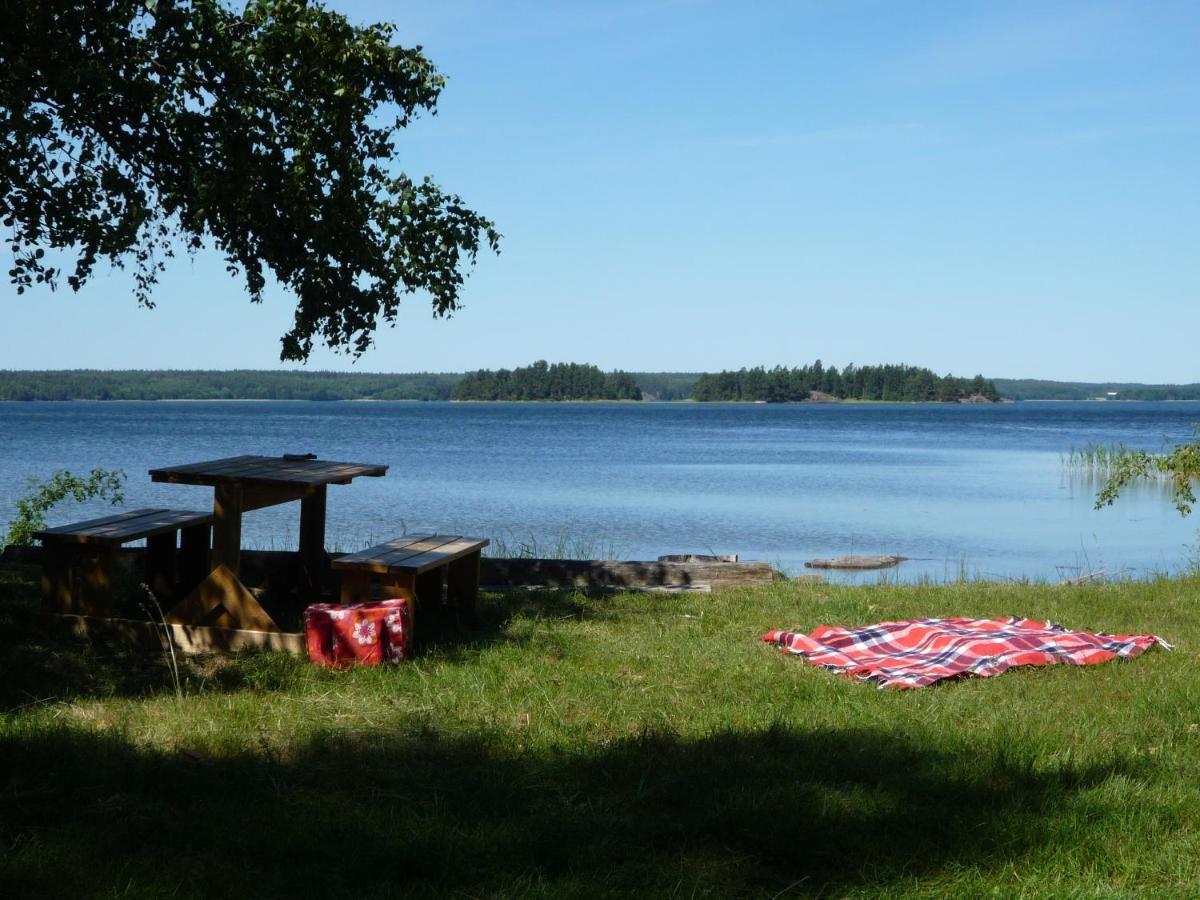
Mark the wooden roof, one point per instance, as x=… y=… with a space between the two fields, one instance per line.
x=267 y=470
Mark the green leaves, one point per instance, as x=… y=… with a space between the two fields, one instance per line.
x=1181 y=466
x=131 y=127
x=62 y=485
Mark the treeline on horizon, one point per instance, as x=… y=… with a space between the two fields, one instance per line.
x=1036 y=389
x=548 y=381
x=248 y=384
x=241 y=384
x=898 y=383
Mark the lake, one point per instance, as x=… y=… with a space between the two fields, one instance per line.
x=970 y=490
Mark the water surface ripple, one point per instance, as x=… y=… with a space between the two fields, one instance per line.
x=977 y=490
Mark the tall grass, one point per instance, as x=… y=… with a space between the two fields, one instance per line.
x=1101 y=460
x=562 y=544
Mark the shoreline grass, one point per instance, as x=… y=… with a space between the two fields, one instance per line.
x=627 y=745
x=1100 y=460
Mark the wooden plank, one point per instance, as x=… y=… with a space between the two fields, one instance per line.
x=385 y=557
x=402 y=555
x=187 y=639
x=257 y=496
x=187 y=473
x=394 y=559
x=58 y=567
x=96 y=571
x=162 y=522
x=313 y=563
x=571 y=573
x=160 y=565
x=71 y=530
x=443 y=555
x=267 y=470
x=462 y=587
x=194 y=545
x=227 y=526
x=223 y=596
x=856 y=562
x=419 y=543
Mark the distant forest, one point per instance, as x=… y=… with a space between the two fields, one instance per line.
x=1032 y=389
x=548 y=381
x=884 y=382
x=91 y=384
x=893 y=383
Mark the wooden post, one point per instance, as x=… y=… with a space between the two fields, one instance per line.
x=356 y=587
x=97 y=588
x=160 y=564
x=462 y=579
x=58 y=567
x=227 y=527
x=312 y=545
x=194 y=544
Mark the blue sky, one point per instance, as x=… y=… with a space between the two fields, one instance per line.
x=1009 y=188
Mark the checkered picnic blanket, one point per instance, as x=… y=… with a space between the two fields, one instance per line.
x=919 y=652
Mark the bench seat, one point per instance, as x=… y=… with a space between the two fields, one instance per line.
x=78 y=559
x=124 y=527
x=418 y=568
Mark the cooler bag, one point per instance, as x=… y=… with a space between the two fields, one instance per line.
x=364 y=634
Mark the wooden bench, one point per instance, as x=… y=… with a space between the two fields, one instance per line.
x=417 y=568
x=77 y=559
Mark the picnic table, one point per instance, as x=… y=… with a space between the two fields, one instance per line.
x=241 y=484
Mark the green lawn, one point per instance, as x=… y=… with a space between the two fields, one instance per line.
x=626 y=745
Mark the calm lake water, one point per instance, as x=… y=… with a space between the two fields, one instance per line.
x=974 y=490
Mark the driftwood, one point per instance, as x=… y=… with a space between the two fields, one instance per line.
x=607 y=573
x=856 y=562
x=699 y=557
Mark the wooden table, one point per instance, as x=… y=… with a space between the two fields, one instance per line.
x=241 y=484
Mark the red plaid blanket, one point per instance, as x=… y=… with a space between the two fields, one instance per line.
x=921 y=651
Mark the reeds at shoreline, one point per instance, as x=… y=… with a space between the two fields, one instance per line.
x=1100 y=459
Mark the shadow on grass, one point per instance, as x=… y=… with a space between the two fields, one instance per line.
x=40 y=663
x=424 y=814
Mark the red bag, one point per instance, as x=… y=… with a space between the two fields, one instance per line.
x=364 y=634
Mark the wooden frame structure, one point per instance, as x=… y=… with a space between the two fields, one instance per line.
x=241 y=484
x=417 y=568
x=77 y=559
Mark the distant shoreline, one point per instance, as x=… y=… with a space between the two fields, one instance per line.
x=248 y=385
x=684 y=402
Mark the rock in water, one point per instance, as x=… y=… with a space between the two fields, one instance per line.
x=855 y=562
x=699 y=557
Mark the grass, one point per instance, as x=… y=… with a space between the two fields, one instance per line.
x=629 y=745
x=1100 y=460
x=565 y=543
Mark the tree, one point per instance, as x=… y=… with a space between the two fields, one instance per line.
x=1181 y=465
x=132 y=128
x=62 y=485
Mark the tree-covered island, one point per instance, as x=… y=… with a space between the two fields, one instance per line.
x=548 y=381
x=896 y=383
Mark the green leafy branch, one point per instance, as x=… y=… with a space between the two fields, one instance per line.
x=62 y=485
x=1181 y=466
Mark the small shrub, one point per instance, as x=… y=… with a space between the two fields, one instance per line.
x=45 y=495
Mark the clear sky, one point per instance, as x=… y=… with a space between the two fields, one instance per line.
x=1011 y=188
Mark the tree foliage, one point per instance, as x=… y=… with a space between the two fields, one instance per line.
x=134 y=127
x=548 y=381
x=45 y=495
x=243 y=384
x=889 y=382
x=1038 y=389
x=1181 y=466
